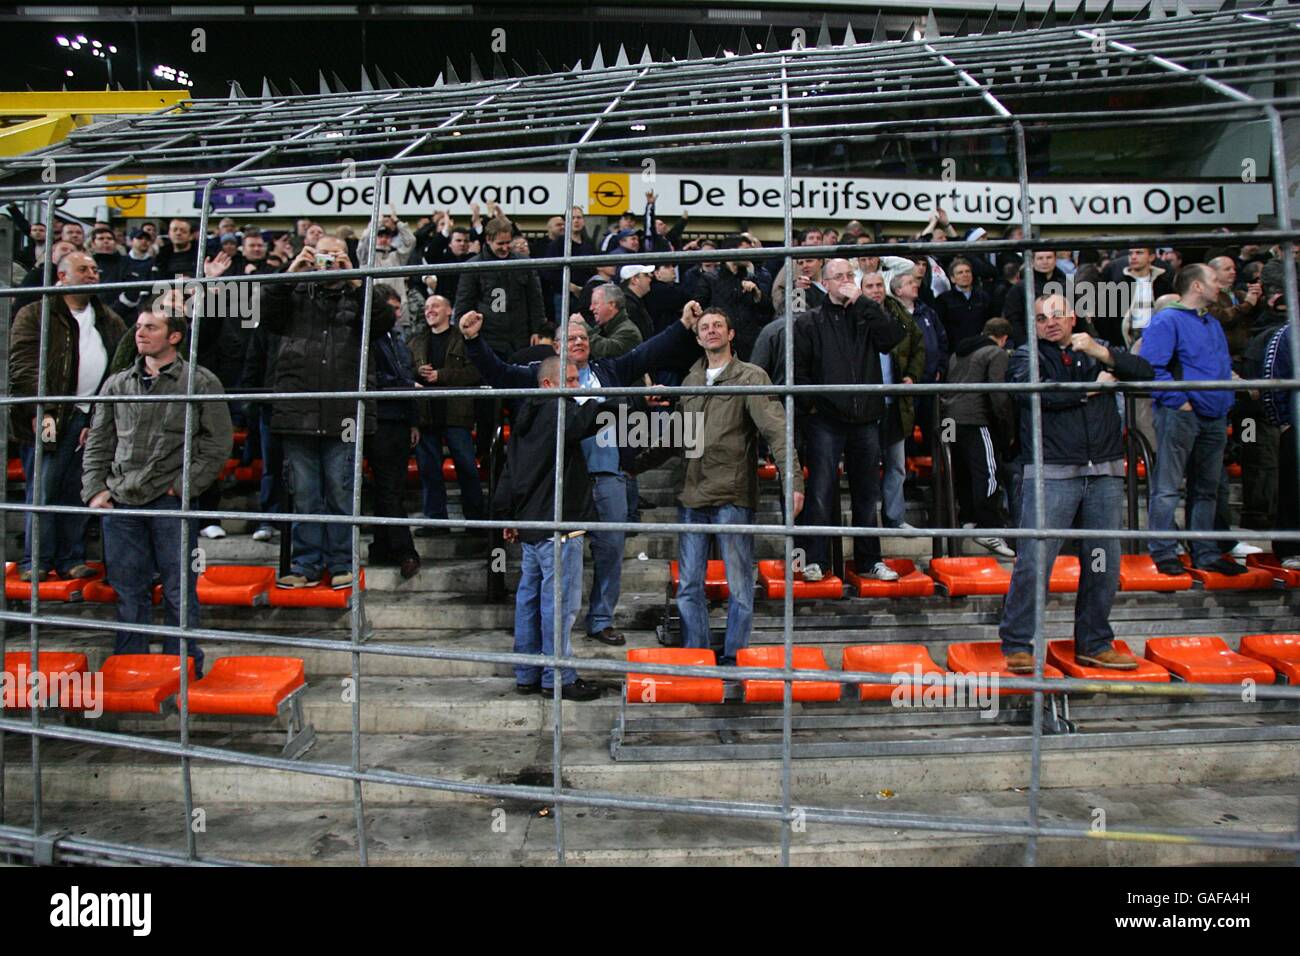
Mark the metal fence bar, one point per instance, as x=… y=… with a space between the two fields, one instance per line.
x=787 y=475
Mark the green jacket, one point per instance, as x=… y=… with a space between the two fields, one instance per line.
x=908 y=359
x=616 y=337
x=725 y=469
x=456 y=372
x=60 y=358
x=134 y=448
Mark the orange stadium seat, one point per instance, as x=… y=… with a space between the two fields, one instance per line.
x=1065 y=575
x=249 y=474
x=1273 y=565
x=1279 y=651
x=141 y=683
x=322 y=595
x=887 y=659
x=247 y=685
x=1255 y=579
x=669 y=688
x=53 y=588
x=985 y=657
x=1137 y=572
x=772 y=691
x=48 y=663
x=1206 y=660
x=715 y=580
x=963 y=576
x=772 y=576
x=14 y=471
x=235 y=584
x=1061 y=654
x=910 y=583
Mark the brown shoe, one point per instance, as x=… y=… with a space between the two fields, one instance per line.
x=410 y=568
x=1110 y=658
x=1020 y=663
x=608 y=636
x=79 y=571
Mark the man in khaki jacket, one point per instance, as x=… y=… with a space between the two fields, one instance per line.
x=721 y=484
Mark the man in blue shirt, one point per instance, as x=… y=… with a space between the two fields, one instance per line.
x=1184 y=342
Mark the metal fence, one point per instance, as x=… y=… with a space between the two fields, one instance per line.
x=1001 y=85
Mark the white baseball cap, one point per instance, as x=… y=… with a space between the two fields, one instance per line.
x=628 y=272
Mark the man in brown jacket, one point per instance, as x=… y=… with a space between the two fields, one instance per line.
x=82 y=336
x=721 y=483
x=439 y=353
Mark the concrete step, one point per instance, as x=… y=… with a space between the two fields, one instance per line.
x=83 y=773
x=509 y=833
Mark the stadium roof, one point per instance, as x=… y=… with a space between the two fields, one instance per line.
x=1204 y=67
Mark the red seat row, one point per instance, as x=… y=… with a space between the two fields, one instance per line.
x=226 y=585
x=143 y=683
x=1206 y=660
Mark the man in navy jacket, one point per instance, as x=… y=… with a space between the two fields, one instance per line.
x=1083 y=480
x=1185 y=342
x=607 y=462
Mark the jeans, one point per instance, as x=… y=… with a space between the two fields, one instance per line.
x=610 y=496
x=320 y=479
x=859 y=445
x=134 y=548
x=893 y=507
x=428 y=455
x=389 y=452
x=268 y=495
x=1288 y=494
x=535 y=608
x=1189 y=446
x=737 y=556
x=1098 y=503
x=633 y=498
x=63 y=536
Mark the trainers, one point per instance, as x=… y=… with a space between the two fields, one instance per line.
x=27 y=575
x=1243 y=550
x=580 y=690
x=1292 y=564
x=1021 y=662
x=295 y=580
x=79 y=571
x=1109 y=658
x=904 y=526
x=526 y=689
x=263 y=534
x=1170 y=566
x=340 y=581
x=812 y=572
x=997 y=546
x=1224 y=566
x=882 y=572
x=213 y=531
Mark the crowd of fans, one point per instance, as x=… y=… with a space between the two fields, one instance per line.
x=1138 y=314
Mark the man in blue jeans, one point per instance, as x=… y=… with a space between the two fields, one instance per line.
x=526 y=492
x=1185 y=342
x=133 y=459
x=1083 y=479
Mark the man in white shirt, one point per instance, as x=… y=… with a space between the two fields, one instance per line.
x=82 y=336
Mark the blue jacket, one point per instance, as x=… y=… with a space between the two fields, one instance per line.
x=936 y=340
x=1186 y=347
x=1278 y=364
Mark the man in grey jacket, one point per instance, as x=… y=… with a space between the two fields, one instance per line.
x=133 y=459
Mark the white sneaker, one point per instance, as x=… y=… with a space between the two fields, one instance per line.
x=213 y=531
x=997 y=546
x=263 y=534
x=812 y=572
x=1243 y=549
x=882 y=572
x=904 y=526
x=1291 y=564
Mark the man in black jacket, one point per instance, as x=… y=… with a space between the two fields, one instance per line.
x=1083 y=479
x=734 y=289
x=965 y=307
x=390 y=450
x=840 y=343
x=526 y=492
x=510 y=300
x=319 y=349
x=1047 y=279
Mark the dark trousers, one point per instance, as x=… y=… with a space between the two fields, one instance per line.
x=976 y=463
x=1288 y=494
x=63 y=536
x=136 y=548
x=859 y=445
x=1259 y=463
x=268 y=495
x=388 y=452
